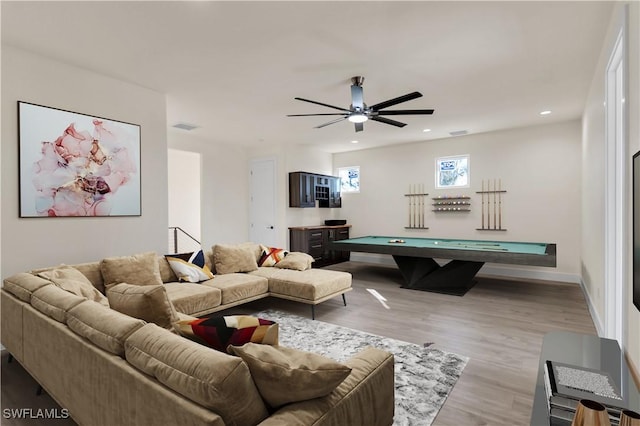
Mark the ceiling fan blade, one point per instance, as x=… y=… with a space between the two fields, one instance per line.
x=330 y=122
x=396 y=101
x=359 y=126
x=357 y=101
x=388 y=121
x=310 y=115
x=406 y=112
x=320 y=103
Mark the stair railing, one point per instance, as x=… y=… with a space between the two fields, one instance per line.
x=175 y=231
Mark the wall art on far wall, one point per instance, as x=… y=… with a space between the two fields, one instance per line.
x=452 y=172
x=74 y=164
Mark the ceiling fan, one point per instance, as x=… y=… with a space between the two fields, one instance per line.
x=358 y=112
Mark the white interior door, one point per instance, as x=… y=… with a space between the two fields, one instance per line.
x=262 y=204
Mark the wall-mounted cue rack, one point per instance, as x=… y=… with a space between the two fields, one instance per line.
x=416 y=200
x=492 y=205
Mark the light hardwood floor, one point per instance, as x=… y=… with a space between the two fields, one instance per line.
x=499 y=324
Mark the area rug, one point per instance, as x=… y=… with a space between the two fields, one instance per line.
x=424 y=377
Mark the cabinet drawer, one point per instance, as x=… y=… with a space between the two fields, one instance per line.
x=342 y=234
x=314 y=236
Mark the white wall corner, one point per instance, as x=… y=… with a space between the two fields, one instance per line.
x=593 y=311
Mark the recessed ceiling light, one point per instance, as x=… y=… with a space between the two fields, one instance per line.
x=546 y=112
x=458 y=133
x=426 y=130
x=354 y=141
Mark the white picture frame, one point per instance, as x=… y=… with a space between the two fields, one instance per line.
x=453 y=172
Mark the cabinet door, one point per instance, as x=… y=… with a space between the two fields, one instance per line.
x=335 y=199
x=342 y=234
x=301 y=190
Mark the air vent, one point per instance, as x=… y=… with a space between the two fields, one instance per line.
x=458 y=133
x=185 y=126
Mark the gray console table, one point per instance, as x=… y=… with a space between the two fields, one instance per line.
x=587 y=351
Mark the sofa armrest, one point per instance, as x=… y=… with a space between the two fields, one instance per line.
x=365 y=397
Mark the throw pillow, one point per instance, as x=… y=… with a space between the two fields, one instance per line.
x=189 y=267
x=285 y=375
x=296 y=260
x=70 y=279
x=271 y=255
x=139 y=269
x=230 y=259
x=220 y=332
x=148 y=302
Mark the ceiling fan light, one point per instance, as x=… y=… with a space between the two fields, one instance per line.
x=357 y=118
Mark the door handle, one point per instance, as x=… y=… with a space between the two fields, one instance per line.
x=270 y=227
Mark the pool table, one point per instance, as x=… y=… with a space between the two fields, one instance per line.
x=415 y=258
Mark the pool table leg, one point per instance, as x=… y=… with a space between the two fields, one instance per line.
x=420 y=273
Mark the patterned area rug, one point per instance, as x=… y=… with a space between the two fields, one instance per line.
x=424 y=377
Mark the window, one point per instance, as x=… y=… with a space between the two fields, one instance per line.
x=349 y=179
x=452 y=172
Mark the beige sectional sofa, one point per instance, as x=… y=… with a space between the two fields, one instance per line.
x=108 y=368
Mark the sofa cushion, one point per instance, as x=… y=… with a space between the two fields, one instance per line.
x=139 y=269
x=213 y=379
x=72 y=280
x=218 y=332
x=296 y=260
x=92 y=271
x=285 y=375
x=23 y=284
x=193 y=298
x=237 y=287
x=269 y=256
x=106 y=328
x=54 y=302
x=312 y=284
x=146 y=302
x=166 y=273
x=190 y=267
x=234 y=258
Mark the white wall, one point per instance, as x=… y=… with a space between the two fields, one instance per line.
x=36 y=242
x=593 y=176
x=184 y=187
x=293 y=159
x=539 y=168
x=224 y=188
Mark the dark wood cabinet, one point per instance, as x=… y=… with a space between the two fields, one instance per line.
x=314 y=240
x=305 y=189
x=301 y=190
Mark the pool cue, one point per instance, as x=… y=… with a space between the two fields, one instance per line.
x=494 y=204
x=423 y=202
x=482 y=194
x=409 y=194
x=415 y=191
x=499 y=204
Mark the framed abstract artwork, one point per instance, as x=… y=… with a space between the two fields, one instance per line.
x=74 y=164
x=452 y=172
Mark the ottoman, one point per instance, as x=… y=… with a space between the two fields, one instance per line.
x=312 y=286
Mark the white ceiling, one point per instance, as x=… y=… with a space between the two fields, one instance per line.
x=234 y=68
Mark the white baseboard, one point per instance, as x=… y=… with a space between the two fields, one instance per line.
x=592 y=310
x=545 y=274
